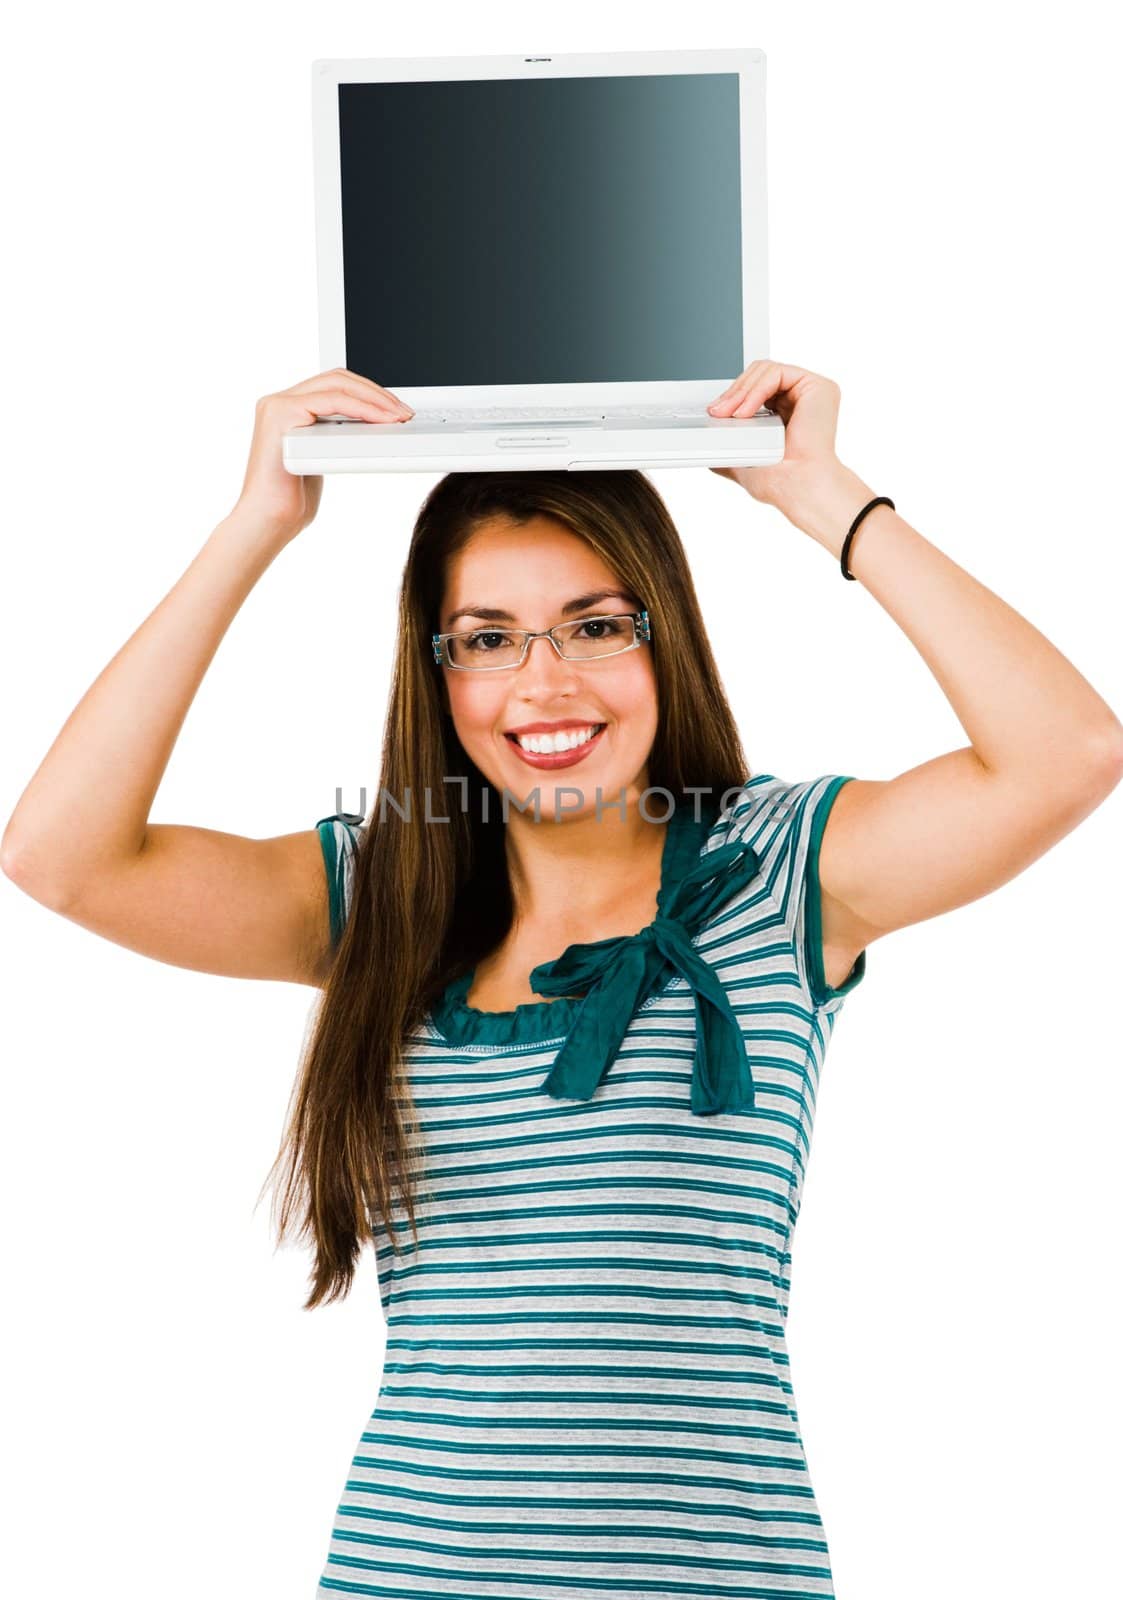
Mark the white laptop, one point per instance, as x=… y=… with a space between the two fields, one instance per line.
x=556 y=261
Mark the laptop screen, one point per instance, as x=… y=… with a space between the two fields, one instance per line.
x=558 y=230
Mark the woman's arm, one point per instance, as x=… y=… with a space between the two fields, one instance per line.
x=1045 y=748
x=79 y=840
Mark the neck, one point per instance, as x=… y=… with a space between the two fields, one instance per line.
x=585 y=871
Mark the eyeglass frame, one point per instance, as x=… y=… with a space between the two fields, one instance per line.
x=640 y=619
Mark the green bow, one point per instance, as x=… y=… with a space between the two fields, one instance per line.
x=626 y=970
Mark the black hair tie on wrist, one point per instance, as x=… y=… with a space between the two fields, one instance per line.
x=882 y=500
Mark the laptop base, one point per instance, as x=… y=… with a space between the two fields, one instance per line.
x=416 y=446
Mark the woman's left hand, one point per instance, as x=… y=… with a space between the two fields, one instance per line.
x=807 y=404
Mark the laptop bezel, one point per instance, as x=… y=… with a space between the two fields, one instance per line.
x=749 y=64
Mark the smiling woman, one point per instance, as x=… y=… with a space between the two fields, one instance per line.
x=608 y=1084
x=564 y=1069
x=608 y=1055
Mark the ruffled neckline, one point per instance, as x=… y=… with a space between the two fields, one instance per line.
x=539 y=1021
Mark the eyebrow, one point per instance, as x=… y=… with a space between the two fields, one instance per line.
x=582 y=603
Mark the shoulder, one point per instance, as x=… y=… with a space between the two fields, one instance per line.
x=779 y=818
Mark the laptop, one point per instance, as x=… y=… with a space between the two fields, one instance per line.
x=555 y=260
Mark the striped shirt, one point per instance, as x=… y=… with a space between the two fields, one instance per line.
x=586 y=1384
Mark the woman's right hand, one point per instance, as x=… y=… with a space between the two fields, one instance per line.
x=277 y=498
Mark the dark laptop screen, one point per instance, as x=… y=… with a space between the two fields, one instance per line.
x=564 y=230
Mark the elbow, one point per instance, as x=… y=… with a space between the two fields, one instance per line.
x=14 y=850
x=1107 y=755
x=19 y=866
x=9 y=859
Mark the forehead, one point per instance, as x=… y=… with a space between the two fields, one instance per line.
x=529 y=571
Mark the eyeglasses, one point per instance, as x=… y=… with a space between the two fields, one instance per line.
x=489 y=649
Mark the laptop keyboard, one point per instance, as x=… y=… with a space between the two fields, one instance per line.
x=543 y=413
x=501 y=414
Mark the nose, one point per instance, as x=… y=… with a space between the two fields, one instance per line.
x=546 y=665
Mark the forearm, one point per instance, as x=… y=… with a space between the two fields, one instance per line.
x=86 y=808
x=1020 y=701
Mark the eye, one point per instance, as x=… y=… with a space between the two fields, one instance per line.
x=473 y=641
x=611 y=626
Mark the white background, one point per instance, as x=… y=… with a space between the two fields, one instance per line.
x=944 y=244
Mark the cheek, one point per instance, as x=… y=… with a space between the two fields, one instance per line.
x=634 y=700
x=474 y=704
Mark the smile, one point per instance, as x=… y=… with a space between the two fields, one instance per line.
x=546 y=750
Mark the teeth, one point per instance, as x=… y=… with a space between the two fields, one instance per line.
x=548 y=744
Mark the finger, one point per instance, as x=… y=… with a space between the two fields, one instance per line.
x=334 y=375
x=379 y=407
x=751 y=372
x=756 y=385
x=294 y=410
x=354 y=382
x=377 y=388
x=753 y=381
x=360 y=396
x=366 y=387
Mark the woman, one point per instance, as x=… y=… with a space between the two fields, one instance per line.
x=563 y=1073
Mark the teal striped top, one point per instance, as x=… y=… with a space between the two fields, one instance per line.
x=586 y=1385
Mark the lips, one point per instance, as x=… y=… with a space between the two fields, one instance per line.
x=559 y=758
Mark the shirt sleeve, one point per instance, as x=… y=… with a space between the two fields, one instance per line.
x=784 y=822
x=340 y=838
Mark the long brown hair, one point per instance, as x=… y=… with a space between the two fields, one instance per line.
x=428 y=903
